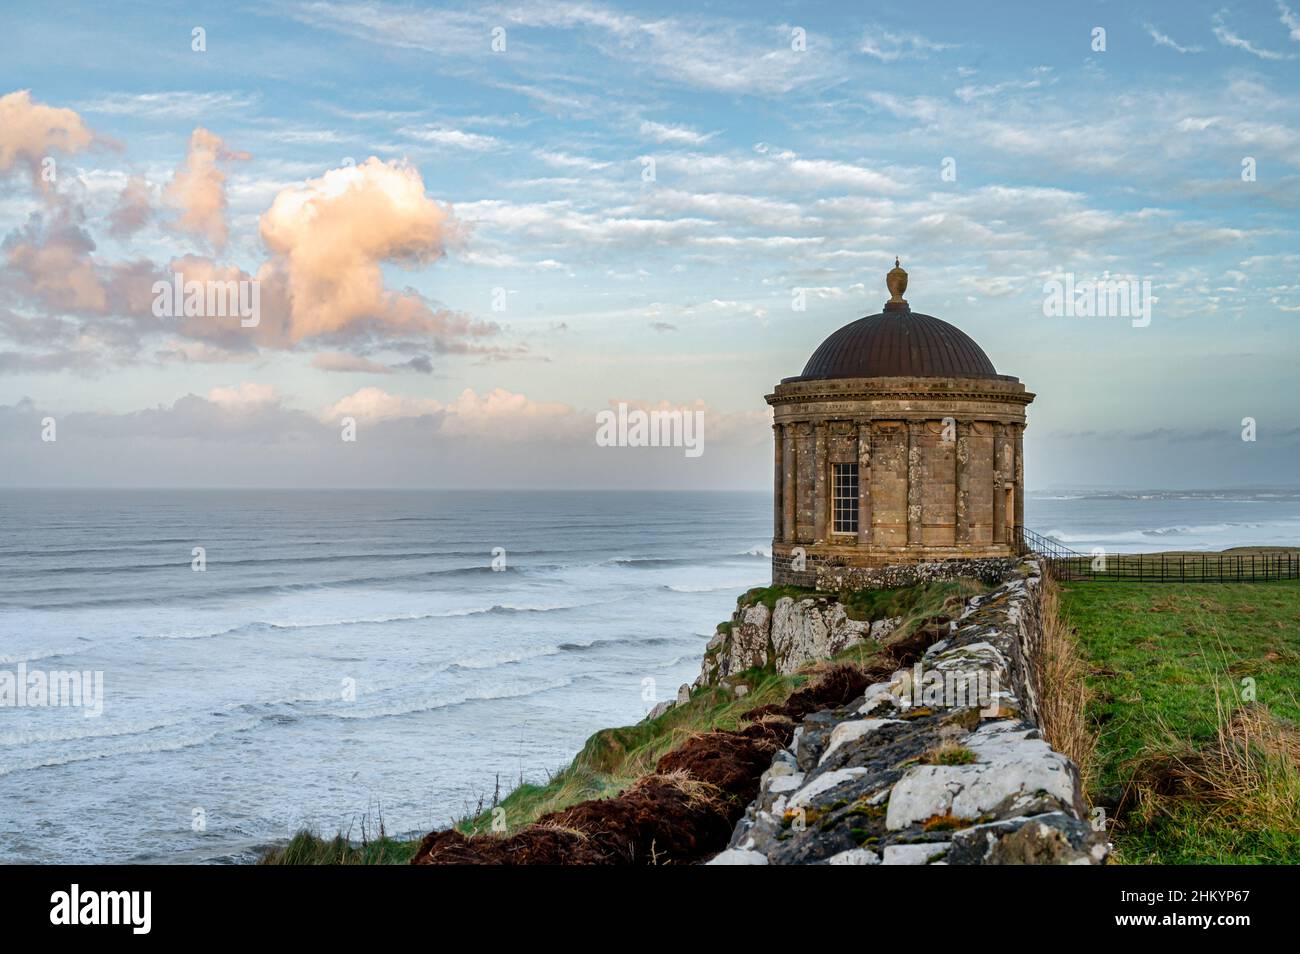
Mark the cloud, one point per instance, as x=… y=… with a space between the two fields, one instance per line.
x=501 y=416
x=198 y=189
x=1162 y=39
x=329 y=238
x=348 y=363
x=31 y=131
x=498 y=415
x=1228 y=38
x=133 y=210
x=1289 y=20
x=444 y=136
x=244 y=396
x=375 y=404
x=171 y=104
x=888 y=46
x=200 y=352
x=564 y=160
x=971 y=92
x=673 y=134
x=421 y=364
x=697 y=52
x=50 y=261
x=246 y=435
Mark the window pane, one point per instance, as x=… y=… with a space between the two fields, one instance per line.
x=844 y=498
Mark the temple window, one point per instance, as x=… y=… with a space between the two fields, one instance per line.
x=845 y=498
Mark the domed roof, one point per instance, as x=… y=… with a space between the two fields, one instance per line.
x=898 y=343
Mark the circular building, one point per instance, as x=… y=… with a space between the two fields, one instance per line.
x=898 y=444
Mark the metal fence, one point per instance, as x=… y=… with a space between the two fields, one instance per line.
x=1066 y=564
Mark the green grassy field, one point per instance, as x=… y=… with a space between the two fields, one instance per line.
x=1194 y=701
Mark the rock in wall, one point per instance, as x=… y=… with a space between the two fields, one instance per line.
x=943 y=764
x=990 y=570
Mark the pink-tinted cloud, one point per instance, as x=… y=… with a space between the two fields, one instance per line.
x=50 y=261
x=198 y=189
x=30 y=132
x=337 y=361
x=133 y=210
x=329 y=238
x=508 y=417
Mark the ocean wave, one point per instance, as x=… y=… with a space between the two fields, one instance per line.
x=91 y=729
x=507 y=657
x=1153 y=533
x=171 y=745
x=261 y=626
x=509 y=608
x=436 y=703
x=254 y=589
x=707 y=587
x=293 y=560
x=1208 y=528
x=35 y=654
x=648 y=562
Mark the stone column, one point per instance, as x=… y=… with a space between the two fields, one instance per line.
x=1019 y=446
x=915 y=477
x=821 y=502
x=789 y=483
x=961 y=479
x=864 y=483
x=778 y=488
x=1001 y=481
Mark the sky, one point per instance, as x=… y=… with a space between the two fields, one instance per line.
x=473 y=227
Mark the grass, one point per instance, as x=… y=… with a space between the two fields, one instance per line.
x=924 y=599
x=1063 y=690
x=612 y=759
x=1190 y=693
x=949 y=753
x=307 y=849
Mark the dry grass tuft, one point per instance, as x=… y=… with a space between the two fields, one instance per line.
x=698 y=794
x=1248 y=774
x=948 y=753
x=1063 y=691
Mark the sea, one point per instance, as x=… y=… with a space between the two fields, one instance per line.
x=269 y=661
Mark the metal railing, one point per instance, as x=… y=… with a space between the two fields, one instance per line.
x=1067 y=564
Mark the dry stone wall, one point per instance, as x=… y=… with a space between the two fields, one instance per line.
x=942 y=764
x=832 y=577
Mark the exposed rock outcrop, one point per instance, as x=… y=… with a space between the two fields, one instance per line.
x=942 y=764
x=793 y=633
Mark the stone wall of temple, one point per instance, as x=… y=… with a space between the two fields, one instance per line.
x=939 y=464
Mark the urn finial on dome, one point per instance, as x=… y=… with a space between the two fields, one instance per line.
x=896 y=282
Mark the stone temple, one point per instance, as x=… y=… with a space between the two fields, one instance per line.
x=898 y=444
